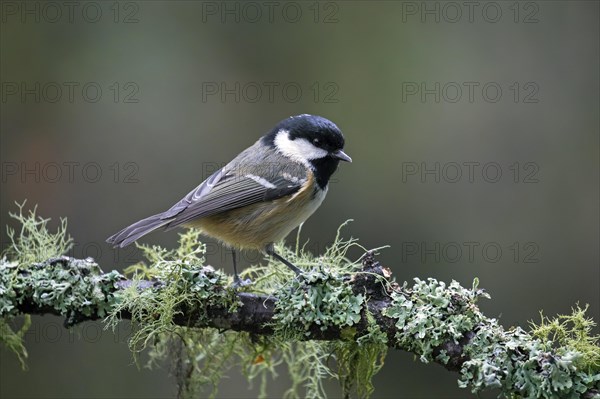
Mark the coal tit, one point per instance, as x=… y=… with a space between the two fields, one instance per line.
x=264 y=193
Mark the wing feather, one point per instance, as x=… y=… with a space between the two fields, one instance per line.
x=226 y=190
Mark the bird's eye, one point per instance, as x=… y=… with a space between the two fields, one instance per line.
x=316 y=142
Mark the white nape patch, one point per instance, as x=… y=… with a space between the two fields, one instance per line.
x=261 y=181
x=300 y=150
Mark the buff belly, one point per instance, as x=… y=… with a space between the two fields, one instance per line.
x=255 y=226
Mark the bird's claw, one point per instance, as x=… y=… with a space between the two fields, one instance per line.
x=239 y=283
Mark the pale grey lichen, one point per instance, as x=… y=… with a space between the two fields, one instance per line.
x=7 y=291
x=319 y=297
x=430 y=314
x=33 y=270
x=33 y=273
x=69 y=286
x=515 y=362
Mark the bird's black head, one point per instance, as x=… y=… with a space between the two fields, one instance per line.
x=312 y=140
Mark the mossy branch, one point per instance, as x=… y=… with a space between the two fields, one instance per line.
x=354 y=310
x=467 y=344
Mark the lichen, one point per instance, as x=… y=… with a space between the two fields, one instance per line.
x=514 y=361
x=39 y=274
x=182 y=282
x=429 y=314
x=34 y=243
x=559 y=358
x=319 y=297
x=360 y=358
x=72 y=287
x=33 y=271
x=322 y=299
x=573 y=331
x=13 y=340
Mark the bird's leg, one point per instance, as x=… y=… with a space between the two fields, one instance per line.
x=236 y=277
x=271 y=251
x=237 y=281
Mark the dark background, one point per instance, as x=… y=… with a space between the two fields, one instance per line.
x=154 y=108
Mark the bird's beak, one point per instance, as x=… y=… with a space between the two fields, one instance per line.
x=341 y=155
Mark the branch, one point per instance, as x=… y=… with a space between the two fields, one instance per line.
x=437 y=323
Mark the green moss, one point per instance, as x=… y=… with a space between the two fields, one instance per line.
x=572 y=331
x=185 y=283
x=359 y=359
x=34 y=243
x=13 y=340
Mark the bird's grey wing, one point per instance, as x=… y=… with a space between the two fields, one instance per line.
x=196 y=194
x=229 y=189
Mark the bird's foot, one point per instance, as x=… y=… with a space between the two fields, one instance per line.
x=239 y=283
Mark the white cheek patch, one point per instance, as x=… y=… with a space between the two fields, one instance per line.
x=299 y=150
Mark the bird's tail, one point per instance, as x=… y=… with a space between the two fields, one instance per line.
x=137 y=230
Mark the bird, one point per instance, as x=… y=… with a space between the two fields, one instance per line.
x=260 y=196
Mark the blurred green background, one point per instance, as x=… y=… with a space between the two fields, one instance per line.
x=474 y=132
